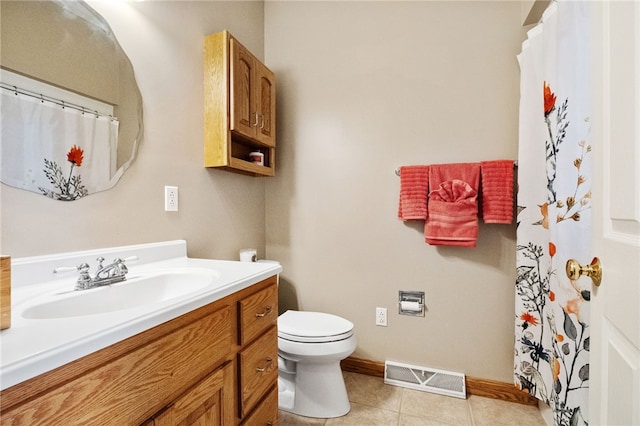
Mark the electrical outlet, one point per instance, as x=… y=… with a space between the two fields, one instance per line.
x=170 y=198
x=381 y=317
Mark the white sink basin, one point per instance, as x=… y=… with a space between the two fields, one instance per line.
x=134 y=292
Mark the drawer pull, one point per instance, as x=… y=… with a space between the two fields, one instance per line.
x=263 y=369
x=264 y=313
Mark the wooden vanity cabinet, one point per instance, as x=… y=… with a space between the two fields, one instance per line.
x=187 y=371
x=239 y=107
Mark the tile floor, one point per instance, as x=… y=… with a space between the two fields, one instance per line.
x=375 y=404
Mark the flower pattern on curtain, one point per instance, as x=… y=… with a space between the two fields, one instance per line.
x=554 y=213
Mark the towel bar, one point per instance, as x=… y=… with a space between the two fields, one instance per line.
x=397 y=169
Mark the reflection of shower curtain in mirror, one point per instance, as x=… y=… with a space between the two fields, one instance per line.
x=38 y=154
x=552 y=335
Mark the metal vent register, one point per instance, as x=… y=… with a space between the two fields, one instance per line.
x=425 y=379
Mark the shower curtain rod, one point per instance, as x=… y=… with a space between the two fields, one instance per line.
x=17 y=90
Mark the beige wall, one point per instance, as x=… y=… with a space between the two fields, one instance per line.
x=37 y=35
x=362 y=88
x=365 y=87
x=219 y=212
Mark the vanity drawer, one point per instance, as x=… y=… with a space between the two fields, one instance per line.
x=257 y=312
x=266 y=413
x=258 y=364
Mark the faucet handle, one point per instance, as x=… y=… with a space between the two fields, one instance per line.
x=121 y=261
x=84 y=279
x=61 y=270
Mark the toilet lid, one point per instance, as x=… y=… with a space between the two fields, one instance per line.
x=304 y=326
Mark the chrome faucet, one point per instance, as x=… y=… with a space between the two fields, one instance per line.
x=113 y=273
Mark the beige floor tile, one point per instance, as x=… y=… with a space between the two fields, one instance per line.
x=492 y=412
x=445 y=409
x=406 y=420
x=372 y=391
x=375 y=404
x=288 y=419
x=361 y=415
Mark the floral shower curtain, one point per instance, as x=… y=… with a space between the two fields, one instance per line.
x=554 y=206
x=61 y=153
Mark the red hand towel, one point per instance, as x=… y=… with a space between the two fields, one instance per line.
x=497 y=191
x=453 y=205
x=414 y=187
x=453 y=215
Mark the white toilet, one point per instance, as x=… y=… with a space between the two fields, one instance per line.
x=310 y=348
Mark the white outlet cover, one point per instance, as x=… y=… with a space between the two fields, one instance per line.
x=171 y=198
x=381 y=317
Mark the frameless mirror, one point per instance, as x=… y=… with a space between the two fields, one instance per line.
x=63 y=64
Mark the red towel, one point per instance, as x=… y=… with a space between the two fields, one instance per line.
x=414 y=187
x=497 y=191
x=453 y=205
x=453 y=215
x=467 y=172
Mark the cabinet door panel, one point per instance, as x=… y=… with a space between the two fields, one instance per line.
x=244 y=118
x=266 y=106
x=204 y=404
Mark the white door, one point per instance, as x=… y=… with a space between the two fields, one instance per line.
x=615 y=305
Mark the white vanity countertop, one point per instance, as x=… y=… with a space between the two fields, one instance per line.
x=34 y=346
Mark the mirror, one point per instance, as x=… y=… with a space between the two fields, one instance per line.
x=69 y=48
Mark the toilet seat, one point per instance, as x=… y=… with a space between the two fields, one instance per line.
x=313 y=327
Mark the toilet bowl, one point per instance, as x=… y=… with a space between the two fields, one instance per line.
x=310 y=348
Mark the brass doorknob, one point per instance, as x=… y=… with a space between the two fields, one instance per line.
x=594 y=270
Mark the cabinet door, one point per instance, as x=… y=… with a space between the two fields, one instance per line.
x=208 y=403
x=265 y=98
x=244 y=117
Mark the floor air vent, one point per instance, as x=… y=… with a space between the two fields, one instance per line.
x=425 y=379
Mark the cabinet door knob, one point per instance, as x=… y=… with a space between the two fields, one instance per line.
x=267 y=311
x=266 y=366
x=594 y=270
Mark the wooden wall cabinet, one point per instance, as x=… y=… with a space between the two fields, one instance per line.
x=216 y=365
x=239 y=107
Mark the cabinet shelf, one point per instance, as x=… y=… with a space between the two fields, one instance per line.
x=242 y=166
x=239 y=107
